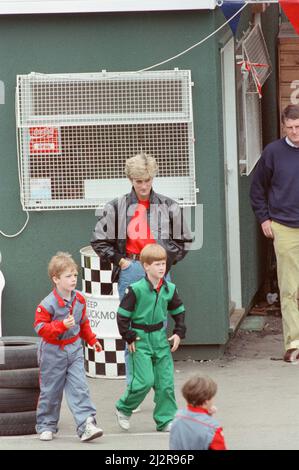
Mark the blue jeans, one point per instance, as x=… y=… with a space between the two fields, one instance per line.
x=133 y=273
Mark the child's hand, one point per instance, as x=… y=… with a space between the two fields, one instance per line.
x=97 y=347
x=69 y=322
x=132 y=346
x=212 y=410
x=176 y=342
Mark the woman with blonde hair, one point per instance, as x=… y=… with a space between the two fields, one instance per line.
x=136 y=219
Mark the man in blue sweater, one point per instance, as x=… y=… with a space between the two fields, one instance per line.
x=275 y=200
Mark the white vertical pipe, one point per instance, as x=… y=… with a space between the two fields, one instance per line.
x=2 y=284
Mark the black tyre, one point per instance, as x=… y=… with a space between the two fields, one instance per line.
x=18 y=352
x=17 y=424
x=19 y=378
x=13 y=400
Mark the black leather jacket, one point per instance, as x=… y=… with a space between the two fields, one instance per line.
x=164 y=217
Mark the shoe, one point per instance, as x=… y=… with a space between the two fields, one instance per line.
x=167 y=427
x=137 y=410
x=123 y=420
x=46 y=436
x=291 y=355
x=91 y=431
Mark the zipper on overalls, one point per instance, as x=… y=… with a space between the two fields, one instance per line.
x=157 y=294
x=72 y=306
x=70 y=313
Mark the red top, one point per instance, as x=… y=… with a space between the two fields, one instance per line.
x=218 y=440
x=138 y=232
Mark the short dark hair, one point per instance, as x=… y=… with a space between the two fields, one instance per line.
x=290 y=112
x=198 y=389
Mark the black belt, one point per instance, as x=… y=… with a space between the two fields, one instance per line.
x=148 y=328
x=133 y=256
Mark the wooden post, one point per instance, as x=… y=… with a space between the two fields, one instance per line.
x=259 y=8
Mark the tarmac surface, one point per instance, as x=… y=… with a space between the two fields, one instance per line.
x=257 y=402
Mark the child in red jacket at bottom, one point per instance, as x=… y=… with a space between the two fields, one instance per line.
x=61 y=322
x=194 y=428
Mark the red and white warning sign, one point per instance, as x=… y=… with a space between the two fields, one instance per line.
x=44 y=140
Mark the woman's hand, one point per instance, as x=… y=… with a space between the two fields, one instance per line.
x=125 y=263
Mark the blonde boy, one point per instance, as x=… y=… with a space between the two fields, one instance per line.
x=61 y=322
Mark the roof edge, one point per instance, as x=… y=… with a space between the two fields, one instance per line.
x=22 y=7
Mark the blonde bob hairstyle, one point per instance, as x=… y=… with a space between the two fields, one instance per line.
x=141 y=166
x=59 y=263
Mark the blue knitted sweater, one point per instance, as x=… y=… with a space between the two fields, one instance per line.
x=274 y=189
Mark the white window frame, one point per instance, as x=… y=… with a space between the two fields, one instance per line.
x=250 y=106
x=231 y=169
x=249 y=136
x=11 y=7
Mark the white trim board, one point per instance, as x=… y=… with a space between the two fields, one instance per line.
x=13 y=7
x=231 y=169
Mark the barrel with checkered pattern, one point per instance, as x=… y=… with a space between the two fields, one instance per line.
x=101 y=305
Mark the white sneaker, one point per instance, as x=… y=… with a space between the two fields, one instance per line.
x=123 y=420
x=46 y=436
x=91 y=431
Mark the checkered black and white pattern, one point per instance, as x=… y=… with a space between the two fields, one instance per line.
x=109 y=363
x=96 y=274
x=96 y=282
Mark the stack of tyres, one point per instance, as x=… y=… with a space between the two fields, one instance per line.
x=19 y=385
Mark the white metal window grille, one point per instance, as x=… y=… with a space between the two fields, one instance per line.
x=76 y=131
x=256 y=54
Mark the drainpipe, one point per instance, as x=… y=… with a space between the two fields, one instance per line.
x=2 y=284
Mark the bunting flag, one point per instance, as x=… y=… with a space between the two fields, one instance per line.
x=291 y=9
x=229 y=8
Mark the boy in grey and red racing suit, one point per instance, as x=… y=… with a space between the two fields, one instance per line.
x=61 y=361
